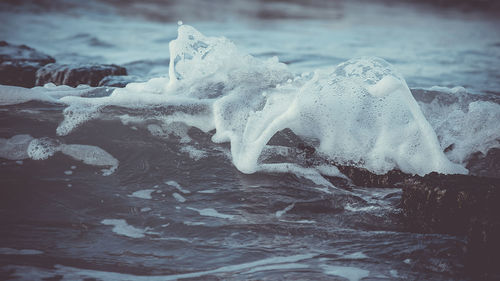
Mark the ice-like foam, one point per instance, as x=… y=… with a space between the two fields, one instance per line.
x=360 y=113
x=15 y=95
x=15 y=148
x=193 y=152
x=42 y=148
x=10 y=251
x=21 y=147
x=179 y=197
x=10 y=95
x=464 y=127
x=91 y=155
x=143 y=194
x=349 y=272
x=121 y=227
x=284 y=211
x=209 y=212
x=178 y=186
x=73 y=273
x=355 y=256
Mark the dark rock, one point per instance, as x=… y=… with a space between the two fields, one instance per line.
x=363 y=177
x=74 y=75
x=459 y=205
x=19 y=64
x=119 y=81
x=449 y=203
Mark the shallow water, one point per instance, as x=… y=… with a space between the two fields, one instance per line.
x=127 y=192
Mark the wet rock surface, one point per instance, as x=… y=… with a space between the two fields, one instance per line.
x=119 y=81
x=74 y=75
x=24 y=66
x=459 y=205
x=19 y=64
x=363 y=177
x=462 y=205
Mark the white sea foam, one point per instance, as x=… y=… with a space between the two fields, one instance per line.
x=91 y=155
x=49 y=93
x=121 y=227
x=465 y=127
x=10 y=251
x=15 y=95
x=355 y=256
x=193 y=152
x=209 y=212
x=73 y=273
x=178 y=186
x=42 y=148
x=349 y=272
x=21 y=147
x=143 y=194
x=360 y=112
x=16 y=147
x=179 y=197
x=284 y=211
x=208 y=191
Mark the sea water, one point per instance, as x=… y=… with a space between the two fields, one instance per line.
x=198 y=169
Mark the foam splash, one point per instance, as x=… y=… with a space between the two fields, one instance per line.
x=359 y=113
x=121 y=227
x=464 y=126
x=21 y=147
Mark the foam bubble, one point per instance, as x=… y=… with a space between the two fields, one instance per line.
x=194 y=153
x=42 y=148
x=15 y=95
x=465 y=127
x=91 y=155
x=143 y=194
x=209 y=212
x=15 y=148
x=121 y=227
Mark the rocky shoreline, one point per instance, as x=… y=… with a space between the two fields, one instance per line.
x=26 y=67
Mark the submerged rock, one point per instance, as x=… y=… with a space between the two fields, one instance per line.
x=459 y=205
x=463 y=205
x=74 y=75
x=19 y=64
x=363 y=177
x=119 y=81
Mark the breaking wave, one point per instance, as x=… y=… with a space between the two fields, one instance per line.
x=360 y=112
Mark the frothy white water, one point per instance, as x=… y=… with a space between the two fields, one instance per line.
x=49 y=93
x=121 y=227
x=463 y=126
x=360 y=112
x=143 y=194
x=349 y=272
x=21 y=147
x=10 y=251
x=72 y=273
x=15 y=148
